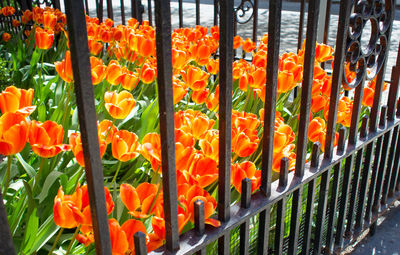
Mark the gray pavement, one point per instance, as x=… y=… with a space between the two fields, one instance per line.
x=386 y=239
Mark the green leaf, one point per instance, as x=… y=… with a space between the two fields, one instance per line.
x=42 y=112
x=28 y=169
x=148 y=119
x=46 y=231
x=31 y=232
x=50 y=180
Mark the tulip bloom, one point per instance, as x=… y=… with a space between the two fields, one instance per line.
x=66 y=207
x=98 y=70
x=13 y=133
x=143 y=200
x=49 y=19
x=124 y=145
x=6 y=37
x=44 y=38
x=107 y=130
x=114 y=73
x=147 y=73
x=195 y=193
x=195 y=78
x=46 y=138
x=130 y=80
x=151 y=150
x=119 y=105
x=248 y=45
x=64 y=68
x=76 y=143
x=243 y=170
x=13 y=99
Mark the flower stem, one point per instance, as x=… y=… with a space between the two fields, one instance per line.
x=72 y=240
x=56 y=241
x=116 y=173
x=6 y=180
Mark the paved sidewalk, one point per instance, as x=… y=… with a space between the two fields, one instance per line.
x=386 y=239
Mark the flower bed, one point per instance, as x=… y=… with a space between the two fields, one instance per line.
x=40 y=109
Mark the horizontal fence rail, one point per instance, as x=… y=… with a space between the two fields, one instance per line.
x=344 y=187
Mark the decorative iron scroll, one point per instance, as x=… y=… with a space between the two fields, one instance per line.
x=244 y=12
x=368 y=58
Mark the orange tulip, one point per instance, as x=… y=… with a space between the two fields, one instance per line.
x=64 y=68
x=368 y=96
x=317 y=125
x=129 y=80
x=114 y=73
x=151 y=150
x=210 y=143
x=143 y=200
x=243 y=170
x=46 y=138
x=244 y=120
x=107 y=130
x=323 y=52
x=260 y=59
x=244 y=142
x=13 y=99
x=119 y=105
x=195 y=193
x=16 y=23
x=179 y=89
x=237 y=41
x=13 y=133
x=318 y=103
x=213 y=66
x=195 y=78
x=258 y=78
x=76 y=143
x=124 y=145
x=8 y=11
x=98 y=70
x=44 y=38
x=179 y=59
x=285 y=152
x=26 y=16
x=6 y=37
x=95 y=47
x=200 y=96
x=145 y=46
x=147 y=73
x=66 y=207
x=248 y=45
x=119 y=242
x=49 y=20
x=130 y=227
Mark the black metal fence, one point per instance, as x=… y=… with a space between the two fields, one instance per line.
x=357 y=180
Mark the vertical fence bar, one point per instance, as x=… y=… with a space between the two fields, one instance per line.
x=216 y=2
x=180 y=11
x=167 y=129
x=327 y=21
x=341 y=38
x=312 y=23
x=110 y=12
x=365 y=176
x=321 y=211
x=197 y=12
x=199 y=224
x=395 y=172
x=123 y=11
x=382 y=165
x=150 y=13
x=310 y=202
x=139 y=239
x=375 y=169
x=389 y=171
x=244 y=228
x=274 y=29
x=301 y=25
x=225 y=122
x=308 y=74
x=88 y=123
x=99 y=8
x=334 y=195
x=281 y=208
x=6 y=246
x=354 y=191
x=255 y=20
